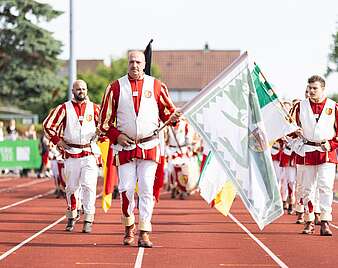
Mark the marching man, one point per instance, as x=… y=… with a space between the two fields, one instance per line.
x=317 y=117
x=136 y=102
x=179 y=141
x=72 y=127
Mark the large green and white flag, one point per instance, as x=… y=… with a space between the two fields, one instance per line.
x=276 y=120
x=227 y=115
x=212 y=178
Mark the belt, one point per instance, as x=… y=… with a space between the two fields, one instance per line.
x=312 y=143
x=79 y=155
x=142 y=140
x=175 y=146
x=79 y=146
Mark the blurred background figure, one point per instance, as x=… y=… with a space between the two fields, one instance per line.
x=44 y=150
x=2 y=134
x=12 y=133
x=2 y=137
x=31 y=132
x=57 y=166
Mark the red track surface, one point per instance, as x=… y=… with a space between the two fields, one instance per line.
x=187 y=233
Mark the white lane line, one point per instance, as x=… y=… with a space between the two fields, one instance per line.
x=138 y=262
x=23 y=185
x=26 y=200
x=103 y=263
x=8 y=179
x=265 y=248
x=9 y=252
x=139 y=258
x=334 y=226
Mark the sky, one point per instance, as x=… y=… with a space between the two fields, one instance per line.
x=289 y=39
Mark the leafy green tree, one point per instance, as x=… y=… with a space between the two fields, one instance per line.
x=97 y=82
x=333 y=55
x=28 y=56
x=334 y=97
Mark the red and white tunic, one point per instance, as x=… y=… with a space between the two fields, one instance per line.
x=321 y=124
x=65 y=118
x=145 y=101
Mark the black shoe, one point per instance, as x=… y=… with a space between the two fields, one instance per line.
x=309 y=228
x=285 y=205
x=87 y=227
x=325 y=229
x=70 y=224
x=144 y=240
x=115 y=193
x=290 y=209
x=173 y=193
x=77 y=218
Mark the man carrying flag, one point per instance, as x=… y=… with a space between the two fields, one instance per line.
x=318 y=118
x=136 y=102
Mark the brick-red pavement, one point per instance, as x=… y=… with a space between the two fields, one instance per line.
x=187 y=233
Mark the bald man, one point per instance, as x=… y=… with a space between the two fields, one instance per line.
x=136 y=102
x=72 y=127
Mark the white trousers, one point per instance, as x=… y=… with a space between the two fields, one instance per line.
x=288 y=183
x=278 y=169
x=299 y=189
x=299 y=192
x=81 y=172
x=143 y=172
x=321 y=176
x=55 y=170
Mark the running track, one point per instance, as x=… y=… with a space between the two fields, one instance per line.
x=187 y=233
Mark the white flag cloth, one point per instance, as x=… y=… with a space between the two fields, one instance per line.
x=212 y=179
x=227 y=115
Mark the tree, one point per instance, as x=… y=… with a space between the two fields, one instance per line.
x=28 y=56
x=97 y=82
x=333 y=56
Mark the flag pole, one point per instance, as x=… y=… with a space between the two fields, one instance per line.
x=72 y=56
x=176 y=140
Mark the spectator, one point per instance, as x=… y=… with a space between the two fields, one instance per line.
x=31 y=133
x=44 y=150
x=1 y=131
x=11 y=130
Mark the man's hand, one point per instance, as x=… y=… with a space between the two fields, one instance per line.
x=63 y=145
x=175 y=116
x=102 y=138
x=124 y=140
x=299 y=132
x=326 y=146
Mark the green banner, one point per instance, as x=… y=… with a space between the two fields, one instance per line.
x=20 y=154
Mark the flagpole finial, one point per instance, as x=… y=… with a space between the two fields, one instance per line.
x=148 y=54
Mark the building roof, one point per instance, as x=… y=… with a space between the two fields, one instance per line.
x=8 y=112
x=13 y=110
x=82 y=66
x=191 y=69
